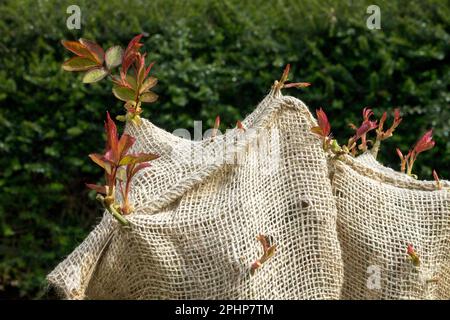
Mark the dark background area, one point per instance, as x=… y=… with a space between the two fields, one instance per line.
x=212 y=57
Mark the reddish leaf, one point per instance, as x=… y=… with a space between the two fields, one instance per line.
x=285 y=75
x=367 y=113
x=99 y=159
x=99 y=189
x=134 y=44
x=140 y=62
x=111 y=137
x=217 y=123
x=365 y=127
x=413 y=255
x=78 y=64
x=399 y=153
x=297 y=85
x=78 y=48
x=130 y=55
x=216 y=127
x=436 y=178
x=148 y=69
x=138 y=168
x=397 y=115
x=141 y=166
x=382 y=120
x=125 y=143
x=425 y=143
x=95 y=50
x=239 y=125
x=324 y=124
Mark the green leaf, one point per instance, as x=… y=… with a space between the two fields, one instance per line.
x=123 y=93
x=148 y=84
x=149 y=97
x=132 y=81
x=78 y=64
x=113 y=57
x=137 y=158
x=94 y=49
x=121 y=118
x=94 y=75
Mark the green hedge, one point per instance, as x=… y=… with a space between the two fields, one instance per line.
x=213 y=57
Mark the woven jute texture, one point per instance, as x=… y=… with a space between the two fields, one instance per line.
x=196 y=218
x=380 y=212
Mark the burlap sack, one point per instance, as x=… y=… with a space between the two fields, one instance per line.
x=194 y=229
x=380 y=212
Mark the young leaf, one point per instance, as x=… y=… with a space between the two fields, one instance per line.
x=94 y=75
x=239 y=125
x=140 y=166
x=148 y=84
x=285 y=74
x=78 y=64
x=125 y=143
x=112 y=140
x=98 y=159
x=113 y=57
x=137 y=158
x=131 y=81
x=121 y=118
x=122 y=93
x=95 y=50
x=149 y=97
x=77 y=48
x=436 y=178
x=297 y=85
x=99 y=189
x=216 y=127
x=134 y=45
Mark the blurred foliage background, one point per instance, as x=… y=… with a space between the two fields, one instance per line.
x=213 y=57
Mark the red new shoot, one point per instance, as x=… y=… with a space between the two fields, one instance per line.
x=383 y=135
x=268 y=252
x=216 y=128
x=116 y=161
x=239 y=125
x=361 y=132
x=425 y=143
x=413 y=255
x=438 y=182
x=133 y=83
x=281 y=84
x=323 y=130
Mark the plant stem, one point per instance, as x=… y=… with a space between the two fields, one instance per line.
x=118 y=216
x=113 y=211
x=375 y=148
